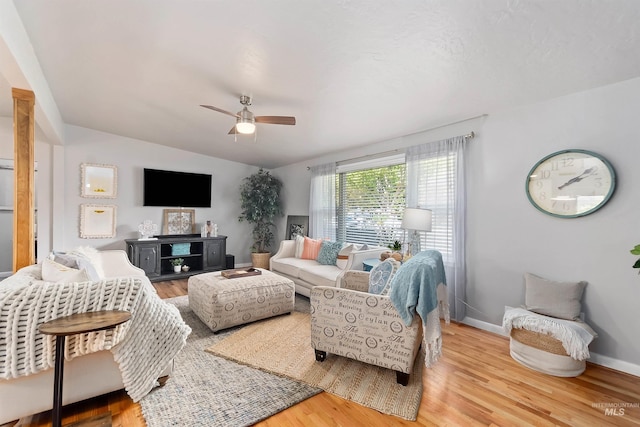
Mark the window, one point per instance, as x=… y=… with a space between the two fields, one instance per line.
x=370 y=203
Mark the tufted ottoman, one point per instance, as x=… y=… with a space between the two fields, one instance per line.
x=222 y=303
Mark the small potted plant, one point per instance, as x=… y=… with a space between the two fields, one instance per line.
x=177 y=264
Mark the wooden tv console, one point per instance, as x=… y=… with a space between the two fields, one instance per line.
x=153 y=256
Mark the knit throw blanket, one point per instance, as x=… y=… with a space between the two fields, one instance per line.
x=142 y=347
x=575 y=336
x=419 y=287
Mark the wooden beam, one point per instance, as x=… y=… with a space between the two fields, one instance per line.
x=24 y=177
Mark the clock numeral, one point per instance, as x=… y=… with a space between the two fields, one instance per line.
x=567 y=162
x=545 y=174
x=542 y=195
x=539 y=184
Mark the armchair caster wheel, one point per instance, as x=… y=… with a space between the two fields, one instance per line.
x=321 y=355
x=402 y=378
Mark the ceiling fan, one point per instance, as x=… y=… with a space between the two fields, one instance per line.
x=245 y=120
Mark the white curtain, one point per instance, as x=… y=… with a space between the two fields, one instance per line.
x=436 y=181
x=322 y=203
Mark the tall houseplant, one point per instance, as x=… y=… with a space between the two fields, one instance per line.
x=261 y=204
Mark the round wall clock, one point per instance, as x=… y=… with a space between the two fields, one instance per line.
x=571 y=183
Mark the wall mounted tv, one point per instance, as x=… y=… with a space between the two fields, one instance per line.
x=171 y=188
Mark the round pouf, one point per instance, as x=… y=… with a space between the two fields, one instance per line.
x=543 y=353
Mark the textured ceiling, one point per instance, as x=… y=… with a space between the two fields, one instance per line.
x=352 y=72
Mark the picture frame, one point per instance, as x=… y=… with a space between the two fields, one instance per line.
x=98 y=181
x=296 y=224
x=97 y=221
x=179 y=221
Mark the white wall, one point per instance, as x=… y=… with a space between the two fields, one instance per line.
x=131 y=156
x=507 y=236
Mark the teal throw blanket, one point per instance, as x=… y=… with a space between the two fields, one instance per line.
x=414 y=286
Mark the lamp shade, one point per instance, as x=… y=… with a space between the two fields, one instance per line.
x=416 y=219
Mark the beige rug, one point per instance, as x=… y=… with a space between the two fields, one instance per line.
x=282 y=346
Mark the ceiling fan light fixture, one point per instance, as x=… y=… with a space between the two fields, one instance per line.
x=245 y=127
x=245 y=123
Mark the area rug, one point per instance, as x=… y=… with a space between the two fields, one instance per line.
x=281 y=346
x=205 y=390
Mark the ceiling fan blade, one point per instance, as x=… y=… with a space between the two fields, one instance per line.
x=233 y=130
x=220 y=110
x=276 y=120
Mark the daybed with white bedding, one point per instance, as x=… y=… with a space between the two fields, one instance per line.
x=132 y=356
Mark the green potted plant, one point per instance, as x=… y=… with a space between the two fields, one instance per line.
x=176 y=263
x=395 y=246
x=261 y=204
x=636 y=251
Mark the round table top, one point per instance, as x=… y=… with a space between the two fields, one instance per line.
x=84 y=322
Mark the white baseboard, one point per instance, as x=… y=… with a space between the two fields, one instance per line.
x=598 y=359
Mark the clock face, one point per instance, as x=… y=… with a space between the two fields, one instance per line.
x=570 y=183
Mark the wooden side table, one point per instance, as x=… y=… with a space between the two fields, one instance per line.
x=78 y=323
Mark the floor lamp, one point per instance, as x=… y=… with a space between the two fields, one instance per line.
x=415 y=220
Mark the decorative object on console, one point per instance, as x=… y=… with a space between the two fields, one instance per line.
x=570 y=183
x=98 y=181
x=97 y=221
x=177 y=264
x=261 y=204
x=209 y=229
x=416 y=220
x=147 y=230
x=179 y=221
x=297 y=225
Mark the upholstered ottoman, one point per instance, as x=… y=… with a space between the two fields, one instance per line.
x=222 y=303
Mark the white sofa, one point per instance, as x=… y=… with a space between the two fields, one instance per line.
x=85 y=376
x=306 y=273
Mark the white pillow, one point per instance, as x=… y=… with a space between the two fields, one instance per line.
x=58 y=273
x=299 y=245
x=552 y=298
x=89 y=258
x=343 y=256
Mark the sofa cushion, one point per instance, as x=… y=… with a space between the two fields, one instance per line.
x=54 y=272
x=329 y=252
x=551 y=298
x=311 y=248
x=320 y=275
x=291 y=266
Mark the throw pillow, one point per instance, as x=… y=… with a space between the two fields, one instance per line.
x=381 y=275
x=58 y=273
x=555 y=299
x=343 y=256
x=64 y=259
x=328 y=254
x=364 y=247
x=396 y=266
x=89 y=257
x=311 y=248
x=299 y=246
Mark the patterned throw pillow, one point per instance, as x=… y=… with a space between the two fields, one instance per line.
x=311 y=248
x=328 y=254
x=396 y=266
x=380 y=276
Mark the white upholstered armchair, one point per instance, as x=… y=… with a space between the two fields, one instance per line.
x=353 y=323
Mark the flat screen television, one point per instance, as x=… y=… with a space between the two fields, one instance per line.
x=172 y=188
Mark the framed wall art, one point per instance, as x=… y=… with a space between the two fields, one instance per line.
x=179 y=221
x=297 y=224
x=97 y=221
x=98 y=181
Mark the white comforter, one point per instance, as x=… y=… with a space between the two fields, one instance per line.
x=142 y=347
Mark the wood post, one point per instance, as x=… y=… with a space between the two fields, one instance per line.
x=24 y=177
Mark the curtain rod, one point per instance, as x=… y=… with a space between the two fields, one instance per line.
x=470 y=135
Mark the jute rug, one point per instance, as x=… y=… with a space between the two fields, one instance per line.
x=281 y=345
x=205 y=390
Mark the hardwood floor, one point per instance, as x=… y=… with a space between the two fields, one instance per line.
x=476 y=383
